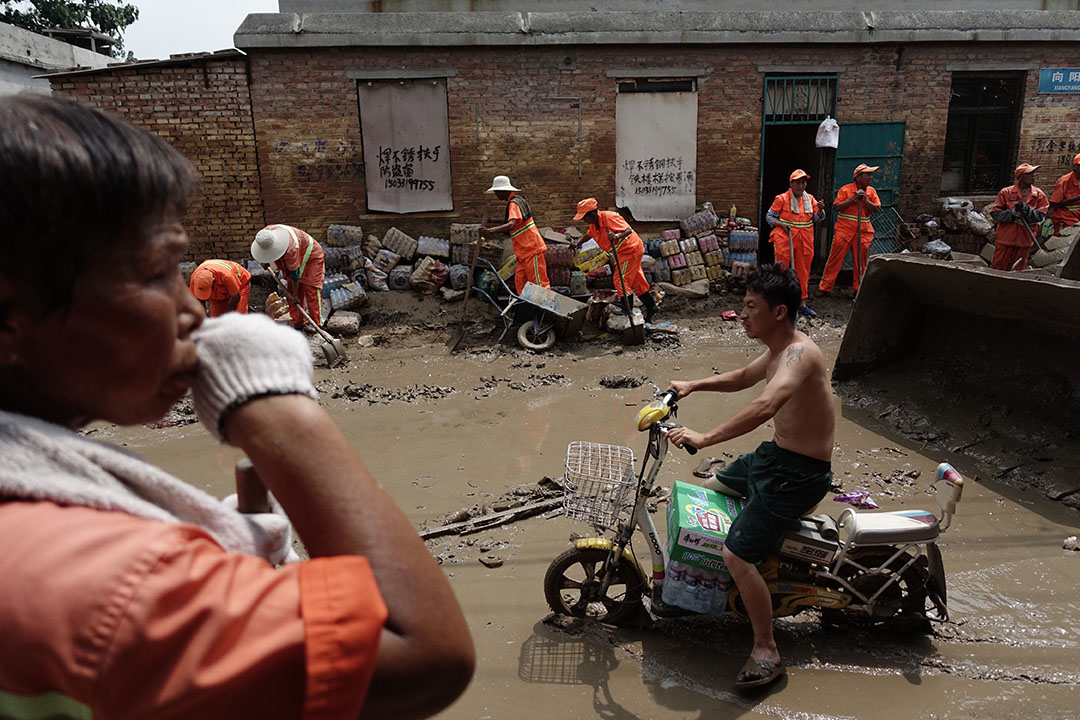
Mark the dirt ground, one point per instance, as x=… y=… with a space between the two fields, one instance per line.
x=452 y=437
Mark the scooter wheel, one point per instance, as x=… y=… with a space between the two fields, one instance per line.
x=529 y=339
x=572 y=587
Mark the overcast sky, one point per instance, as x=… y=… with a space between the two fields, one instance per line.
x=166 y=27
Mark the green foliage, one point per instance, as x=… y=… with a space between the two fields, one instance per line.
x=104 y=16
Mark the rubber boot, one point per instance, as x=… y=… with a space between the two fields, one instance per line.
x=649 y=303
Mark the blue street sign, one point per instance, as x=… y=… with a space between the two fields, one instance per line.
x=1059 y=80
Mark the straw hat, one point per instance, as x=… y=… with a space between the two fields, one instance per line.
x=270 y=244
x=501 y=182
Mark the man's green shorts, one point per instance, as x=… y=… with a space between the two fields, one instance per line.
x=781 y=486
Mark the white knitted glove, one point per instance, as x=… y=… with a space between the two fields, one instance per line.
x=243 y=357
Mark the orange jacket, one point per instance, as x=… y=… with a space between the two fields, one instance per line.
x=615 y=223
x=526 y=238
x=847 y=225
x=1011 y=233
x=304 y=254
x=229 y=278
x=121 y=617
x=800 y=223
x=1067 y=186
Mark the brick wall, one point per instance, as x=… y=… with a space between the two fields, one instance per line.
x=204 y=111
x=504 y=119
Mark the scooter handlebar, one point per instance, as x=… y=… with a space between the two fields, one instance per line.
x=668 y=427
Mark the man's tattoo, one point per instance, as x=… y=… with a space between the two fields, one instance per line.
x=794 y=354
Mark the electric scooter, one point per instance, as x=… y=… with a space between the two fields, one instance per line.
x=870 y=566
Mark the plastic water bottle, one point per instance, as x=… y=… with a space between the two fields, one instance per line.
x=674 y=584
x=693 y=587
x=718 y=606
x=708 y=588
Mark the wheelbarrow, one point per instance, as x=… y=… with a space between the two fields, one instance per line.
x=544 y=315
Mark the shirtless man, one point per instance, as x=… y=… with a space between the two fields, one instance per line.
x=784 y=478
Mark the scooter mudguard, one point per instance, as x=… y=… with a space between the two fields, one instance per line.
x=605 y=544
x=935 y=583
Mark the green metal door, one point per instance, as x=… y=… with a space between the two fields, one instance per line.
x=873 y=143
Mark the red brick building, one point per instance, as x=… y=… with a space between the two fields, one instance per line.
x=401 y=118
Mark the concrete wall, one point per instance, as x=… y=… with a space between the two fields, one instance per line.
x=203 y=110
x=24 y=54
x=312 y=6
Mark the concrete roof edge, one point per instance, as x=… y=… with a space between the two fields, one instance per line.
x=281 y=30
x=185 y=59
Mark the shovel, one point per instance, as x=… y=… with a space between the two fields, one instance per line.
x=332 y=348
x=1034 y=238
x=635 y=334
x=458 y=335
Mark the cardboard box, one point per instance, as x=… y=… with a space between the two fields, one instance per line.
x=588 y=260
x=698 y=524
x=508 y=268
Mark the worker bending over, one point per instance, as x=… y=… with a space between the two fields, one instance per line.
x=226 y=284
x=612 y=232
x=300 y=260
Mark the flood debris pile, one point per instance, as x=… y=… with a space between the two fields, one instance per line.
x=449 y=535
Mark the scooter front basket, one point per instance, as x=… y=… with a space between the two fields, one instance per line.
x=598 y=480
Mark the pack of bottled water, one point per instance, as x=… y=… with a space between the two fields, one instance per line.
x=696 y=589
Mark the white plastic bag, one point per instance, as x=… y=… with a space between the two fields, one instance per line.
x=828 y=133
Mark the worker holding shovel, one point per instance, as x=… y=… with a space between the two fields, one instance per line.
x=792 y=217
x=854 y=204
x=611 y=232
x=300 y=259
x=1018 y=211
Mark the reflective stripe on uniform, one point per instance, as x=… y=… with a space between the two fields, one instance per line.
x=792 y=223
x=231 y=268
x=523 y=228
x=852 y=217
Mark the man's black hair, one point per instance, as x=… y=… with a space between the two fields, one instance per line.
x=778 y=287
x=74 y=180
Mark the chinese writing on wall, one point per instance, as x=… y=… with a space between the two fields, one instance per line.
x=658 y=177
x=398 y=166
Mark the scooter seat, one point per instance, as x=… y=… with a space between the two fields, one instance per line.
x=889 y=528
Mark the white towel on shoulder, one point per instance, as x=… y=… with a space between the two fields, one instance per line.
x=46 y=462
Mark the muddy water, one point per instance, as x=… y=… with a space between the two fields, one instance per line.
x=444 y=433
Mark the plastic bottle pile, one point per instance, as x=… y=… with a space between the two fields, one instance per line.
x=343 y=257
x=696 y=589
x=433 y=246
x=742 y=251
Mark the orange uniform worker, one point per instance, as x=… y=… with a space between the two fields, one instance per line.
x=301 y=260
x=610 y=230
x=226 y=284
x=792 y=217
x=854 y=204
x=1065 y=198
x=1015 y=206
x=529 y=247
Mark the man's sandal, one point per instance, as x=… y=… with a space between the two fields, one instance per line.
x=756 y=673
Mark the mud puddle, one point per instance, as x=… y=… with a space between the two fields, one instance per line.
x=445 y=433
